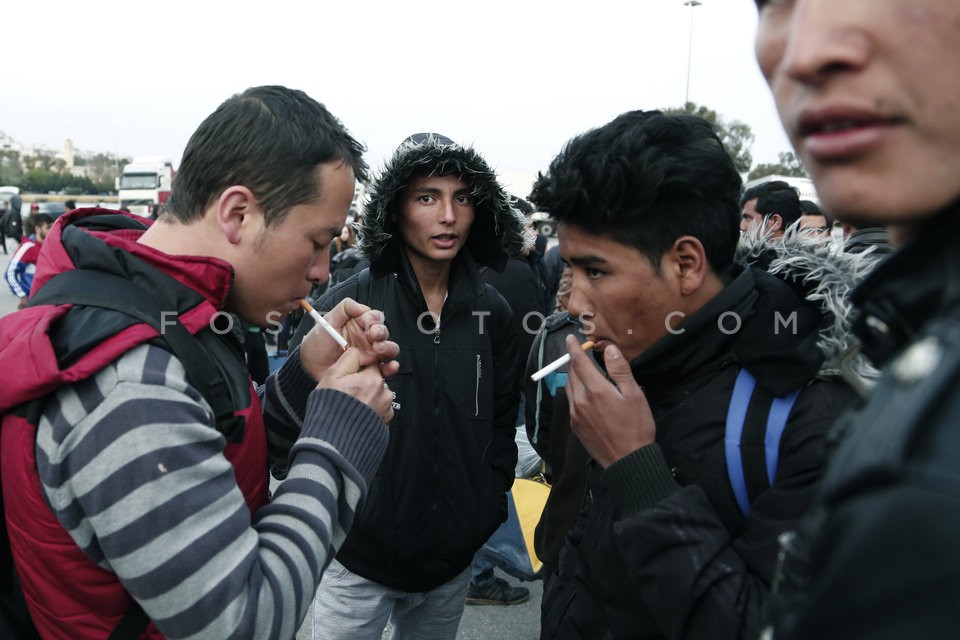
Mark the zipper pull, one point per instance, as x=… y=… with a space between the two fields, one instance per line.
x=436 y=336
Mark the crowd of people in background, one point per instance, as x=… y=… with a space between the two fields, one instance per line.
x=759 y=440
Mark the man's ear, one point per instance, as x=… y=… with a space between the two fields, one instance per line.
x=234 y=207
x=691 y=266
x=774 y=222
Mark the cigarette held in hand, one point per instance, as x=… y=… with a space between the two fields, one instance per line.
x=326 y=326
x=559 y=362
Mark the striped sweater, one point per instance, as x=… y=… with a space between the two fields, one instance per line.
x=136 y=443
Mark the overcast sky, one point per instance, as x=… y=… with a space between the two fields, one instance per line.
x=515 y=78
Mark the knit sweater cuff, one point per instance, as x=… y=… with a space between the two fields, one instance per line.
x=640 y=480
x=294 y=384
x=349 y=426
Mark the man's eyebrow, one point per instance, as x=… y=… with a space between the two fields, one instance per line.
x=433 y=191
x=586 y=261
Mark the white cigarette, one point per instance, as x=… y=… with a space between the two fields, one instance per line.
x=559 y=362
x=326 y=326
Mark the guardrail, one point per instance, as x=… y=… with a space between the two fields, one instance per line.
x=83 y=199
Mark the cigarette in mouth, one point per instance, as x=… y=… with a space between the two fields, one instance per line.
x=326 y=326
x=559 y=362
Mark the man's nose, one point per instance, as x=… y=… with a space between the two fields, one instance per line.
x=823 y=38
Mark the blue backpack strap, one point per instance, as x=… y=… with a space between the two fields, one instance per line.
x=776 y=423
x=736 y=416
x=755 y=424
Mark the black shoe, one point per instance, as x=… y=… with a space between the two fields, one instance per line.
x=497 y=592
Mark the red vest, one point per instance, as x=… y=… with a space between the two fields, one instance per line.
x=69 y=596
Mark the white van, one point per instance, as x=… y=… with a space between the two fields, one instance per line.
x=7 y=193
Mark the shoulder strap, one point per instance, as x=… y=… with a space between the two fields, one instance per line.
x=374 y=290
x=107 y=291
x=755 y=423
x=536 y=421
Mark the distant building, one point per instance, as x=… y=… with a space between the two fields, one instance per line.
x=8 y=144
x=67 y=154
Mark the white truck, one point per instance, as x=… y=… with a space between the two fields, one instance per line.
x=144 y=185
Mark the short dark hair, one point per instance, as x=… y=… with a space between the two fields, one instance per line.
x=775 y=196
x=41 y=219
x=644 y=180
x=270 y=139
x=69 y=205
x=810 y=208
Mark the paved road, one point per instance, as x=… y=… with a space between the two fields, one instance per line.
x=517 y=622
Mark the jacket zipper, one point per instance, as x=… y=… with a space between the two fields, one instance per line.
x=476 y=395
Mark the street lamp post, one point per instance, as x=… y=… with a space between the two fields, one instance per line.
x=116 y=157
x=692 y=4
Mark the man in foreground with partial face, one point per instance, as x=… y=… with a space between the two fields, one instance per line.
x=868 y=94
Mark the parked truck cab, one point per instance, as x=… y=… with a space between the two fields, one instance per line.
x=144 y=185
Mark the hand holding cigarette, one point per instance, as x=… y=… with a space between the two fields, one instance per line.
x=361 y=368
x=609 y=413
x=320 y=320
x=559 y=362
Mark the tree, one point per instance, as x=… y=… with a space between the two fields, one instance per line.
x=735 y=135
x=10 y=170
x=43 y=173
x=789 y=165
x=40 y=181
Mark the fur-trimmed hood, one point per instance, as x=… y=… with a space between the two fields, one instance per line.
x=825 y=275
x=497 y=230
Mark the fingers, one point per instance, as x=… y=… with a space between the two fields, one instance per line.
x=346 y=310
x=366 y=329
x=366 y=385
x=363 y=329
x=389 y=369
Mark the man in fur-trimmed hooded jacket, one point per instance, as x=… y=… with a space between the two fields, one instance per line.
x=435 y=213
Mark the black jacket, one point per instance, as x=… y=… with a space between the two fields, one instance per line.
x=440 y=491
x=877 y=558
x=661 y=549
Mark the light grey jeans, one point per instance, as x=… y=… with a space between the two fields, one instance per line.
x=349 y=607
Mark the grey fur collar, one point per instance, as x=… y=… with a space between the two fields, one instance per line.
x=497 y=230
x=826 y=275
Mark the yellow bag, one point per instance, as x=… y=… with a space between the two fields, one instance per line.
x=529 y=498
